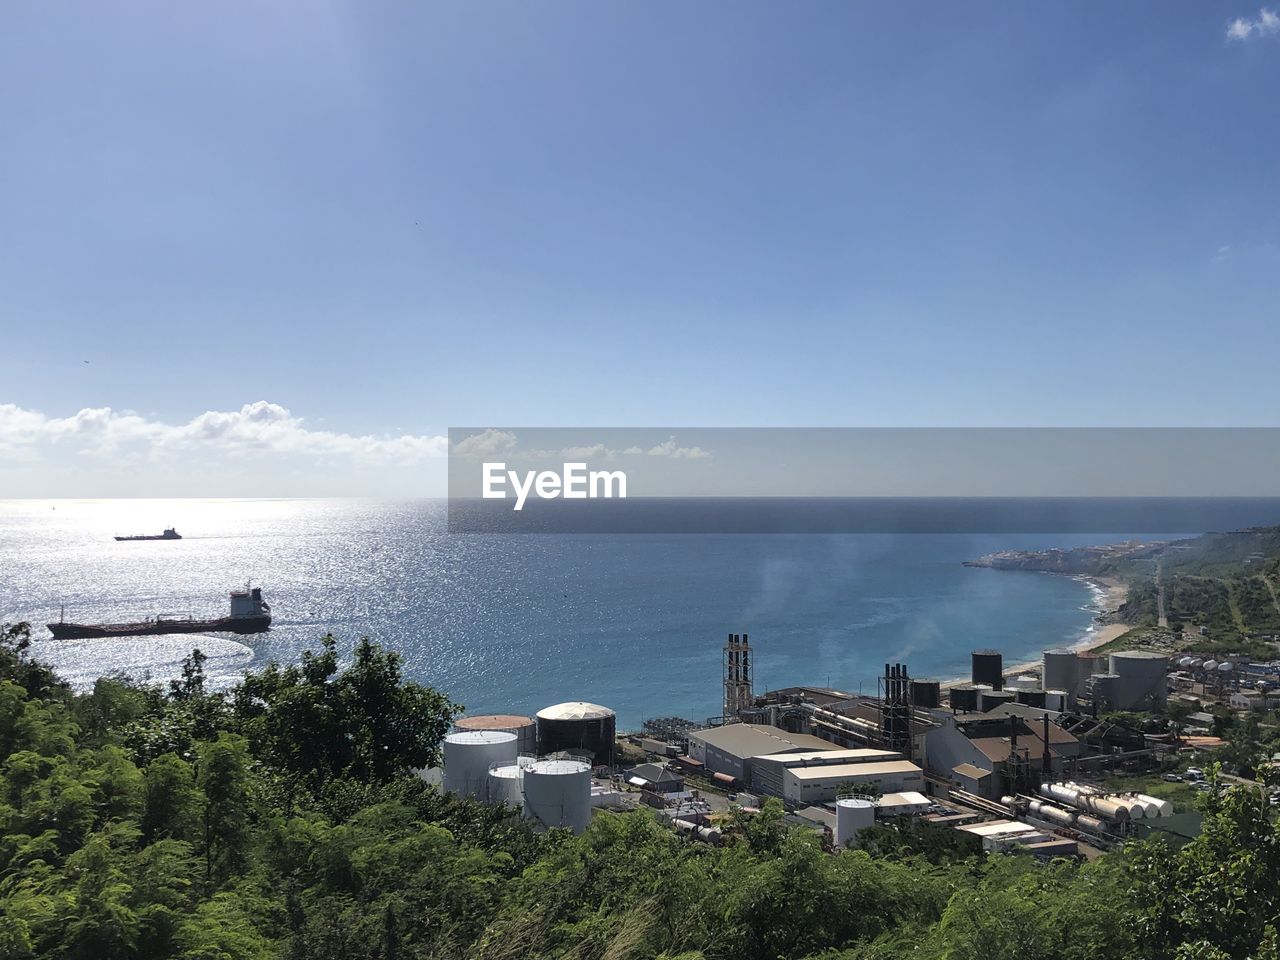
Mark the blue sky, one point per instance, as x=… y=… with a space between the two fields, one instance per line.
x=383 y=219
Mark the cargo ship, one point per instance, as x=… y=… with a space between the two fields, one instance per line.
x=169 y=534
x=249 y=614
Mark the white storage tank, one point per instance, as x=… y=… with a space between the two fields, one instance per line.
x=1055 y=815
x=852 y=815
x=469 y=754
x=523 y=727
x=1058 y=700
x=1142 y=682
x=1059 y=670
x=1163 y=807
x=506 y=782
x=1113 y=811
x=1090 y=824
x=557 y=793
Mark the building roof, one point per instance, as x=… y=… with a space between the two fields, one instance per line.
x=983 y=728
x=654 y=773
x=909 y=798
x=999 y=828
x=819 y=815
x=997 y=749
x=757 y=740
x=853 y=770
x=827 y=757
x=818 y=695
x=970 y=771
x=1024 y=710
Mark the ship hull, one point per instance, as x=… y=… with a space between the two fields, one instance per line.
x=88 y=631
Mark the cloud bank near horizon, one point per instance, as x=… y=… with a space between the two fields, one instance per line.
x=263 y=440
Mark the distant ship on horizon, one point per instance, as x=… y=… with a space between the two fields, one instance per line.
x=249 y=614
x=169 y=534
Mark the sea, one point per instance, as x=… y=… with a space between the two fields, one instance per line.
x=512 y=623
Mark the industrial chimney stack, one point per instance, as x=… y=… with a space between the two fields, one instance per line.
x=737 y=676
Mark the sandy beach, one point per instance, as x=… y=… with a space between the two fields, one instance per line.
x=1110 y=594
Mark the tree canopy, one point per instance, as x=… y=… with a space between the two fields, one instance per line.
x=282 y=820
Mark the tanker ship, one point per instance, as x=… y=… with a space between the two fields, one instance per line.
x=249 y=614
x=169 y=534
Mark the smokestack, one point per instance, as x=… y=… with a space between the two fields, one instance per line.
x=1013 y=733
x=1048 y=759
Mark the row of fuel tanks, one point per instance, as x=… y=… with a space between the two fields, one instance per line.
x=539 y=765
x=1083 y=807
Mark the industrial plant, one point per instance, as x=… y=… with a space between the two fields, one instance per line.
x=1013 y=759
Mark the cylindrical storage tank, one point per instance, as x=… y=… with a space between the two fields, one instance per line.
x=506 y=783
x=557 y=793
x=1056 y=700
x=1139 y=809
x=1209 y=665
x=1059 y=670
x=1087 y=664
x=578 y=726
x=1113 y=811
x=1226 y=667
x=1143 y=683
x=926 y=693
x=1185 y=662
x=1032 y=698
x=1024 y=682
x=1046 y=790
x=1163 y=807
x=524 y=728
x=1090 y=824
x=988 y=700
x=1056 y=815
x=1103 y=690
x=1064 y=793
x=988 y=668
x=469 y=754
x=853 y=814
x=964 y=697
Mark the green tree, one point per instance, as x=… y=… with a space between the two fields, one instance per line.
x=222 y=779
x=171 y=802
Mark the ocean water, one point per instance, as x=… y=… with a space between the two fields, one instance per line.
x=513 y=623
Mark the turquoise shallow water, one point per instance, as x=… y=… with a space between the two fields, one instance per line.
x=514 y=623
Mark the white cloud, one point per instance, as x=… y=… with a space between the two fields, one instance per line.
x=1265 y=24
x=488 y=443
x=256 y=429
x=669 y=448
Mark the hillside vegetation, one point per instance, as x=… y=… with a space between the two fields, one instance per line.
x=1221 y=591
x=279 y=821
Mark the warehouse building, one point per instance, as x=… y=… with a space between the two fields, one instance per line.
x=726 y=752
x=805 y=786
x=767 y=771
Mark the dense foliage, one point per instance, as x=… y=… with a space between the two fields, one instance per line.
x=279 y=821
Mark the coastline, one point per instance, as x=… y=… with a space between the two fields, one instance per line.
x=1109 y=595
